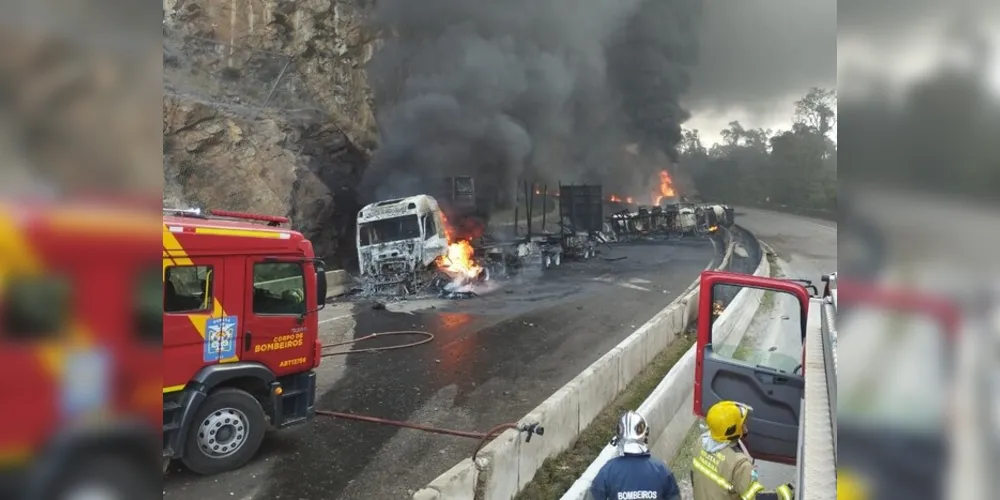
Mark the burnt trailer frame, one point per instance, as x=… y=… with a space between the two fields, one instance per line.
x=581 y=219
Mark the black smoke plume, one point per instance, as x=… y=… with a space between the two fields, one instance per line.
x=542 y=90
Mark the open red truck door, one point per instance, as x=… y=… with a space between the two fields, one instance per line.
x=733 y=365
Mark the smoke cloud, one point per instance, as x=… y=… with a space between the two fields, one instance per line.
x=544 y=90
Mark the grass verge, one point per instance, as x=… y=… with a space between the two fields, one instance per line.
x=557 y=474
x=680 y=465
x=748 y=348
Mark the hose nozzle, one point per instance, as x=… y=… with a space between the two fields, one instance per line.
x=532 y=428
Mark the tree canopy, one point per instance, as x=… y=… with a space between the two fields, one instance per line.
x=794 y=168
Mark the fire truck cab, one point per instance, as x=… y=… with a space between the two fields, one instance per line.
x=240 y=334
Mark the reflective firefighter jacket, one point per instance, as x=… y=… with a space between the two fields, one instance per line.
x=728 y=475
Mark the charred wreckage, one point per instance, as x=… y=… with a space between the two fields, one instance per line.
x=438 y=244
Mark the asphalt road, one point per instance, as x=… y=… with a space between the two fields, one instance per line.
x=807 y=249
x=494 y=358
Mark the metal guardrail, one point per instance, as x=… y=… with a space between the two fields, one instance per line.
x=817 y=450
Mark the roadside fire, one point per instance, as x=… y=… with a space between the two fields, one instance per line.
x=666 y=188
x=459 y=262
x=614 y=199
x=717 y=308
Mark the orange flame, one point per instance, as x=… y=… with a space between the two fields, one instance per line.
x=615 y=199
x=628 y=199
x=459 y=259
x=666 y=188
x=717 y=308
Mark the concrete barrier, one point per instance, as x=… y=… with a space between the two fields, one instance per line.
x=338 y=282
x=508 y=463
x=668 y=408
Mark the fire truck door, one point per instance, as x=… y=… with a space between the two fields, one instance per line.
x=194 y=325
x=750 y=353
x=274 y=328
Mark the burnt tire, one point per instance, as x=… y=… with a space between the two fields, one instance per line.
x=226 y=432
x=106 y=476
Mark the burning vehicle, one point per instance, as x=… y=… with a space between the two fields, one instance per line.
x=407 y=245
x=403 y=245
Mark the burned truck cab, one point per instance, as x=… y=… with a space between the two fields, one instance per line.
x=396 y=239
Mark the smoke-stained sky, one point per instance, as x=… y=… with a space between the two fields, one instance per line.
x=758 y=57
x=541 y=90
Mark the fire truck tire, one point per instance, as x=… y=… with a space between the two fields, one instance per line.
x=225 y=433
x=105 y=476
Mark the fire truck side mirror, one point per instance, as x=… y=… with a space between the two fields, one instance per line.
x=320 y=283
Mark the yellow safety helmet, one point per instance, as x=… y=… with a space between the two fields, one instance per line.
x=725 y=420
x=851 y=487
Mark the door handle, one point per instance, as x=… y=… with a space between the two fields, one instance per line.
x=780 y=380
x=247 y=337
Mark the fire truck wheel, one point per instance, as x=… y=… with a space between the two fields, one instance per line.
x=105 y=476
x=225 y=433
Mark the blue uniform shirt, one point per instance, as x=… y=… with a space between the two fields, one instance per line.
x=635 y=477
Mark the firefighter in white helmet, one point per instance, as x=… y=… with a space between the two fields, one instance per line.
x=634 y=474
x=722 y=469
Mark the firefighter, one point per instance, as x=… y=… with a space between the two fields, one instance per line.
x=722 y=469
x=634 y=474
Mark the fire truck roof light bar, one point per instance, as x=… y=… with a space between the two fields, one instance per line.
x=272 y=220
x=249 y=216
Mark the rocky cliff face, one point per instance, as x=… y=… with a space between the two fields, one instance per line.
x=267 y=109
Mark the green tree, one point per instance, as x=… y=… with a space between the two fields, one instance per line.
x=796 y=168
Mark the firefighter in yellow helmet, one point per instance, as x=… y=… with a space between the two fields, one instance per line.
x=722 y=470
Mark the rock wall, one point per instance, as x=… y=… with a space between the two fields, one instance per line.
x=267 y=109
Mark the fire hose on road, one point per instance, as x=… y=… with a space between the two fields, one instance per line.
x=427 y=338
x=483 y=437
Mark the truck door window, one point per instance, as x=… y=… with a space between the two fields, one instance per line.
x=278 y=288
x=771 y=337
x=429 y=228
x=35 y=307
x=187 y=289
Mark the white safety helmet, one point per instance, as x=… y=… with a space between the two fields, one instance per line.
x=632 y=435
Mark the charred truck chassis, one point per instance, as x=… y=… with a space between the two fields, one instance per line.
x=673 y=220
x=504 y=259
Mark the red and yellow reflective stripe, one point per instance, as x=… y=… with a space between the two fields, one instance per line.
x=710 y=472
x=250 y=233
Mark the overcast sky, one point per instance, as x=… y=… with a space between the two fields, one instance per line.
x=900 y=41
x=758 y=57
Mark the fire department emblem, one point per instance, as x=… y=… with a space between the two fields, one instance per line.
x=220 y=338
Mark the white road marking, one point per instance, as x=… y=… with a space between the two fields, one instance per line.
x=634 y=287
x=335 y=318
x=639 y=280
x=608 y=279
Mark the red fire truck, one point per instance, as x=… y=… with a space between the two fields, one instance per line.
x=240 y=334
x=79 y=349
